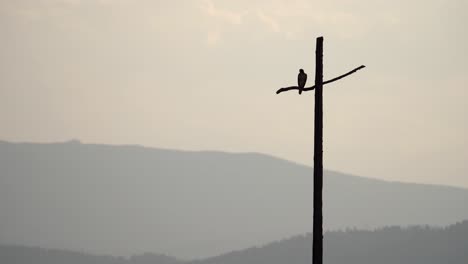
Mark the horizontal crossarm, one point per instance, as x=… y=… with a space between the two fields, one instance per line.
x=312 y=87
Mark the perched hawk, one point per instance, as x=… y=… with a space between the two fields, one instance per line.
x=301 y=80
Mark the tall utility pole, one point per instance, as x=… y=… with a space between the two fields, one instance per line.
x=317 y=241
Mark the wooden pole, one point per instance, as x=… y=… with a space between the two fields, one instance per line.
x=317 y=232
x=317 y=242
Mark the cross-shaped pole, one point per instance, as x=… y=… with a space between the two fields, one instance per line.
x=317 y=241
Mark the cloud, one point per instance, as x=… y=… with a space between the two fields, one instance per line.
x=215 y=30
x=234 y=18
x=271 y=23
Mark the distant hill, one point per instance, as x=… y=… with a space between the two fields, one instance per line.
x=123 y=200
x=389 y=245
x=35 y=255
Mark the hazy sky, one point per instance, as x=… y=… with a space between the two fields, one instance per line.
x=202 y=75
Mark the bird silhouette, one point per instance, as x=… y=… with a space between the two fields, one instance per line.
x=301 y=80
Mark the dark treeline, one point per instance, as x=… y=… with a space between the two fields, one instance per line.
x=412 y=245
x=389 y=245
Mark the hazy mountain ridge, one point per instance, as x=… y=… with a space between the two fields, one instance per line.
x=10 y=254
x=413 y=245
x=123 y=200
x=389 y=245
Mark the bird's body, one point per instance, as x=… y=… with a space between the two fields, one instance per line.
x=301 y=80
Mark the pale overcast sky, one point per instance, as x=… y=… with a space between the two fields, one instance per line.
x=202 y=75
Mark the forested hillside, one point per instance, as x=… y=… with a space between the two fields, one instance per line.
x=389 y=245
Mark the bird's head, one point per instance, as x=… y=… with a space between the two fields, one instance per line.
x=301 y=70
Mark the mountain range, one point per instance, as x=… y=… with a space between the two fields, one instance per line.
x=124 y=200
x=389 y=245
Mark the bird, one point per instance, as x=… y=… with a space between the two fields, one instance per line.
x=301 y=80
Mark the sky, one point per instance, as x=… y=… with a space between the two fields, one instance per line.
x=202 y=75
